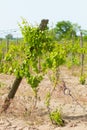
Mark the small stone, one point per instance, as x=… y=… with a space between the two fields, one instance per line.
x=73 y=125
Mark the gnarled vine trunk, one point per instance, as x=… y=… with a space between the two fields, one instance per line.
x=11 y=94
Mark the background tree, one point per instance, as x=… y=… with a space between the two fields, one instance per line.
x=64 y=29
x=1 y=40
x=9 y=36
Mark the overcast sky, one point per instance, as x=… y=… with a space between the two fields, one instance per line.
x=33 y=11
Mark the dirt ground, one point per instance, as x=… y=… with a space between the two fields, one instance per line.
x=21 y=115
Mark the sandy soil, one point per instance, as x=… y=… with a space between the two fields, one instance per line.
x=20 y=117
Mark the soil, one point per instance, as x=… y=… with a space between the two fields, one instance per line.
x=21 y=115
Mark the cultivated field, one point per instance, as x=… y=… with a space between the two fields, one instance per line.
x=21 y=116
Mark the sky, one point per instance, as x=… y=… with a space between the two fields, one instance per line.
x=33 y=11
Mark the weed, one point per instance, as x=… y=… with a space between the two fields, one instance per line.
x=82 y=79
x=56 y=118
x=1 y=84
